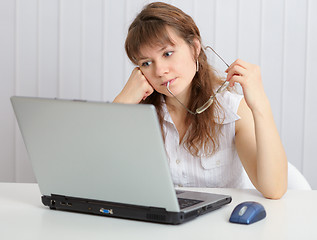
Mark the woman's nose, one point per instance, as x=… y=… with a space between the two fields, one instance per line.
x=161 y=68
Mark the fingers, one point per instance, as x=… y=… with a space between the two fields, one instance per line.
x=148 y=91
x=240 y=63
x=137 y=73
x=239 y=71
x=249 y=77
x=141 y=83
x=136 y=88
x=145 y=84
x=235 y=74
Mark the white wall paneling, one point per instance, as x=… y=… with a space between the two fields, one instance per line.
x=75 y=49
x=294 y=81
x=272 y=50
x=7 y=80
x=310 y=114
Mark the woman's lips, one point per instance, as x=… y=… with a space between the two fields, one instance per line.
x=170 y=81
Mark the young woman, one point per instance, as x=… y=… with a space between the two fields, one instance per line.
x=207 y=146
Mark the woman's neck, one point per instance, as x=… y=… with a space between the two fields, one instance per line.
x=178 y=114
x=173 y=104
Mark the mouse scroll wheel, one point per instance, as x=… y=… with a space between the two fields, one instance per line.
x=242 y=210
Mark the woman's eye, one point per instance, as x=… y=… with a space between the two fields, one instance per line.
x=146 y=64
x=167 y=54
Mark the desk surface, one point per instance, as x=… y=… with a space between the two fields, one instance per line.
x=22 y=216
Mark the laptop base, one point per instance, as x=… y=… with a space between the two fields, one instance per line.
x=127 y=211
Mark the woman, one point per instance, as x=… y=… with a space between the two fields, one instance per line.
x=206 y=146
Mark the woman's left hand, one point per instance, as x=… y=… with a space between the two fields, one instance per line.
x=249 y=77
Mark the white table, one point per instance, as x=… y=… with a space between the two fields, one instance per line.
x=22 y=216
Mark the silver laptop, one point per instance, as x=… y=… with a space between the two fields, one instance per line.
x=106 y=159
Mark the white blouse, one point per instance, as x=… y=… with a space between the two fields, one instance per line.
x=222 y=169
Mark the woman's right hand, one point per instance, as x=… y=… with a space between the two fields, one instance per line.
x=136 y=89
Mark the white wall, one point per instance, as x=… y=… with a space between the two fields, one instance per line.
x=75 y=49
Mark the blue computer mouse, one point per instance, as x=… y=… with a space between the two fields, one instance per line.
x=247 y=213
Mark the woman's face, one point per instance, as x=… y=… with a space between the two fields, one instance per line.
x=170 y=63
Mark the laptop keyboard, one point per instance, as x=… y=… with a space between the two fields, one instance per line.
x=184 y=203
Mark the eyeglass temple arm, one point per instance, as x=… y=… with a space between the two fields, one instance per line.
x=217 y=55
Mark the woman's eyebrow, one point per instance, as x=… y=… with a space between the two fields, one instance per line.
x=142 y=58
x=161 y=50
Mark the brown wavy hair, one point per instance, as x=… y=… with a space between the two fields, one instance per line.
x=149 y=29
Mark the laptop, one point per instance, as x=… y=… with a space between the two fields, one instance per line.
x=106 y=159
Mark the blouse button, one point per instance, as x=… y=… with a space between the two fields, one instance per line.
x=178 y=161
x=218 y=163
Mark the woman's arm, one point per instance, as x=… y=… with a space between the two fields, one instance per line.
x=257 y=140
x=261 y=151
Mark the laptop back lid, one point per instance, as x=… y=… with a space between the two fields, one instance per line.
x=103 y=151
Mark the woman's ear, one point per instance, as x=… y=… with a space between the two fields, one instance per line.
x=197 y=47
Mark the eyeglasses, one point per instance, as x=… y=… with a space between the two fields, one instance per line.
x=204 y=107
